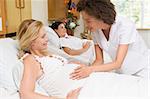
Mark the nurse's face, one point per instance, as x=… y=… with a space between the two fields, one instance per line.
x=92 y=23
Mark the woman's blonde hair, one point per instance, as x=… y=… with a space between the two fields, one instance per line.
x=27 y=32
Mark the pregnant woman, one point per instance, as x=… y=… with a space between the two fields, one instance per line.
x=50 y=71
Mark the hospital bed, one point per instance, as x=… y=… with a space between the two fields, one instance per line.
x=106 y=85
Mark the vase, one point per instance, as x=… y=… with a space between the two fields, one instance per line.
x=70 y=32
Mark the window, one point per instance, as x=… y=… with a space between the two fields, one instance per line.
x=136 y=10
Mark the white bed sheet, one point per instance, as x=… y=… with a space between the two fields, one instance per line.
x=105 y=86
x=114 y=85
x=8 y=93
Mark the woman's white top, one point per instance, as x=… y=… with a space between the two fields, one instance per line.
x=76 y=43
x=55 y=79
x=123 y=31
x=71 y=42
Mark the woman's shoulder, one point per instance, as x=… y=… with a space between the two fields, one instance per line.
x=29 y=59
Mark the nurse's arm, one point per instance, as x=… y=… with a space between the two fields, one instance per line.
x=99 y=56
x=116 y=64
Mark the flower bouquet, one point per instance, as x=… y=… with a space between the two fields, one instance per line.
x=71 y=18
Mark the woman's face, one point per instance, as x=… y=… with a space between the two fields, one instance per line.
x=61 y=30
x=92 y=23
x=40 y=43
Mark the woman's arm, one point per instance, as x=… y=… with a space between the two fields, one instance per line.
x=84 y=71
x=78 y=51
x=30 y=75
x=99 y=56
x=74 y=52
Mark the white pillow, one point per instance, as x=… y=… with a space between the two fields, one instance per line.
x=8 y=57
x=17 y=73
x=53 y=37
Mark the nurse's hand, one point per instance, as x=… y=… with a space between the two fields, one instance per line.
x=73 y=94
x=81 y=72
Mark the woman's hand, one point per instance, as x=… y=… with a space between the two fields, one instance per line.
x=75 y=62
x=86 y=45
x=73 y=94
x=81 y=72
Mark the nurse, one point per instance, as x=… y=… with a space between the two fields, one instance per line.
x=117 y=36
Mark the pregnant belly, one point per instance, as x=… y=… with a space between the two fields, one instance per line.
x=63 y=84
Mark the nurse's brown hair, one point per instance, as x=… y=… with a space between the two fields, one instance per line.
x=100 y=9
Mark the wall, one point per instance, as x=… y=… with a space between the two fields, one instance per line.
x=40 y=10
x=0 y=23
x=146 y=36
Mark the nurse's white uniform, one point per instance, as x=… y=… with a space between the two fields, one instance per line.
x=123 y=31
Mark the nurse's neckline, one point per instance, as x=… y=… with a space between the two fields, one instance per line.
x=106 y=33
